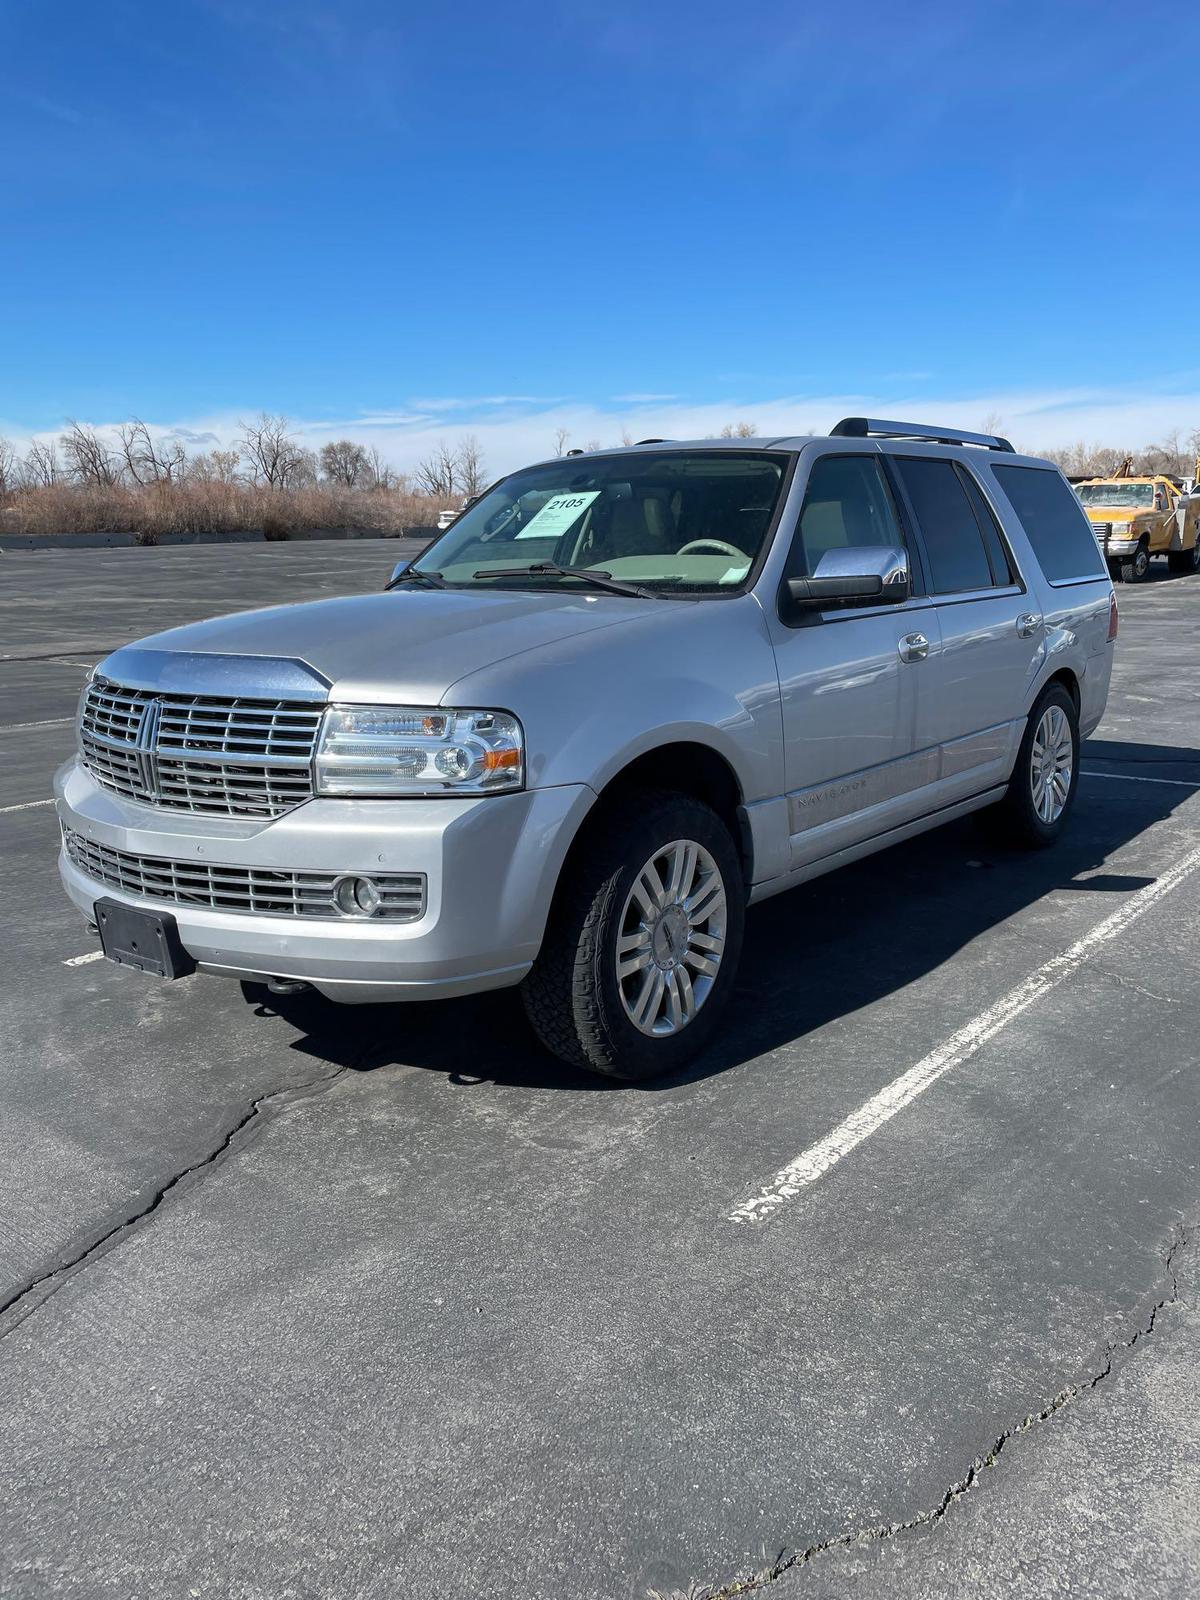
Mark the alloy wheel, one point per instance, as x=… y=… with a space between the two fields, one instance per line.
x=671 y=938
x=1051 y=764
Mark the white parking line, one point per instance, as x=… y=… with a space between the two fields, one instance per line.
x=80 y=961
x=880 y=1108
x=1136 y=777
x=26 y=805
x=15 y=727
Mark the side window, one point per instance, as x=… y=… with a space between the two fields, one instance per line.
x=993 y=539
x=847 y=502
x=953 y=541
x=1054 y=521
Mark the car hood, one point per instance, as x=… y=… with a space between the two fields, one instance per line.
x=405 y=646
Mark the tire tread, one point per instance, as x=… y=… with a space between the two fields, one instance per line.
x=561 y=994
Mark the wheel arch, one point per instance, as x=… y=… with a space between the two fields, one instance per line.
x=683 y=766
x=1070 y=683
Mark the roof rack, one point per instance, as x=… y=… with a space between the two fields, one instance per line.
x=873 y=428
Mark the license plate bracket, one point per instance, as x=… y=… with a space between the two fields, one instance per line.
x=147 y=940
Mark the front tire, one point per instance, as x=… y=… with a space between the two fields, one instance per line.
x=1135 y=568
x=1042 y=788
x=643 y=942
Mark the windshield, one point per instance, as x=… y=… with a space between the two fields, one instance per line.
x=1117 y=494
x=676 y=522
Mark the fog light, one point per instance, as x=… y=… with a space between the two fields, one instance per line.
x=356 y=897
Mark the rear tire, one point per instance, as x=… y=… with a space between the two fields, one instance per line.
x=1184 y=562
x=631 y=982
x=1135 y=568
x=1042 y=788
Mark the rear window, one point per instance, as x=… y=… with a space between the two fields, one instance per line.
x=997 y=552
x=953 y=541
x=1054 y=523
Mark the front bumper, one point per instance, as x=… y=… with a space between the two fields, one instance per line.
x=491 y=864
x=1119 y=547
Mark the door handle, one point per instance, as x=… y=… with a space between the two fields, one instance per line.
x=1028 y=624
x=914 y=647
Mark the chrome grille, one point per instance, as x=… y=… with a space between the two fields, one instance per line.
x=262 y=890
x=233 y=757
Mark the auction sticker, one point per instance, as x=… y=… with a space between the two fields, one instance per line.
x=557 y=515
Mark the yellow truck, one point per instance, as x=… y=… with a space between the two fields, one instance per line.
x=1137 y=518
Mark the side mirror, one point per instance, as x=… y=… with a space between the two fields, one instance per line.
x=860 y=575
x=398 y=571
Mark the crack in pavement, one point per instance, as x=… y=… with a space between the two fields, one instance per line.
x=34 y=1294
x=1124 y=981
x=760 y=1580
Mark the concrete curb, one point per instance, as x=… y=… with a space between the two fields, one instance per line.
x=123 y=541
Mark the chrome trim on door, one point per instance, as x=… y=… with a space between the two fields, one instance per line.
x=828 y=802
x=995 y=744
x=913 y=647
x=988 y=751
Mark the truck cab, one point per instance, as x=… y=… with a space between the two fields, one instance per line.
x=1137 y=518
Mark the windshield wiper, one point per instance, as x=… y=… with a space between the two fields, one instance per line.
x=598 y=580
x=417 y=575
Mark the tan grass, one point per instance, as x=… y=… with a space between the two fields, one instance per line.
x=199 y=507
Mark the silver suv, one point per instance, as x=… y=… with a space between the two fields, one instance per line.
x=625 y=696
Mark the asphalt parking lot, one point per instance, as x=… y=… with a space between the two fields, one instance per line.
x=300 y=1301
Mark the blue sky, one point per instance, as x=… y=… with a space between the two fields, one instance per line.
x=403 y=221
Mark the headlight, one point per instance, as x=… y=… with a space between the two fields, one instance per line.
x=399 y=750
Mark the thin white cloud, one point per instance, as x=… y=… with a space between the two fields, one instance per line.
x=480 y=402
x=332 y=426
x=642 y=399
x=57 y=109
x=1035 y=419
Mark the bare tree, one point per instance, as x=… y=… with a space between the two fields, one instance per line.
x=89 y=459
x=137 y=451
x=146 y=462
x=739 y=430
x=40 y=467
x=626 y=437
x=270 y=450
x=1082 y=460
x=560 y=441
x=470 y=473
x=1168 y=456
x=437 y=474
x=378 y=474
x=302 y=470
x=217 y=466
x=343 y=462
x=8 y=469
